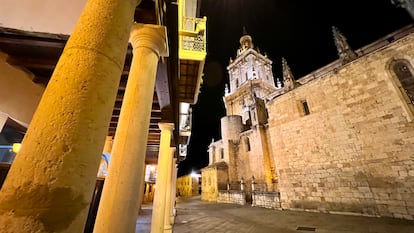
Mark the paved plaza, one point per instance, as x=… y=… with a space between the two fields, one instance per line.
x=196 y=216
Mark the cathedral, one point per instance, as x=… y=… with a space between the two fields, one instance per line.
x=338 y=140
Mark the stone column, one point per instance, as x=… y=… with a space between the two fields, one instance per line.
x=164 y=161
x=173 y=191
x=141 y=189
x=49 y=186
x=118 y=210
x=168 y=198
x=146 y=194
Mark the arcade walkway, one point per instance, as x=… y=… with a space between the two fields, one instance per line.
x=195 y=216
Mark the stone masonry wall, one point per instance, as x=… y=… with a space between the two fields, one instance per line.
x=185 y=186
x=354 y=152
x=213 y=179
x=209 y=184
x=250 y=163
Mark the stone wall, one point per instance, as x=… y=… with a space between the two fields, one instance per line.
x=250 y=162
x=269 y=200
x=187 y=186
x=354 y=152
x=231 y=196
x=213 y=178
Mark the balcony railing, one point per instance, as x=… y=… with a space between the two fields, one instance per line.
x=193 y=35
x=185 y=124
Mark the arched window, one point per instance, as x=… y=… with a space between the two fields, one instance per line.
x=403 y=71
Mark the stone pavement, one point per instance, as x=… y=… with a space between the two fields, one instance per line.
x=196 y=216
x=144 y=219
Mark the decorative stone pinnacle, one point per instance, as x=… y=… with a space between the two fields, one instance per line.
x=288 y=79
x=346 y=54
x=226 y=89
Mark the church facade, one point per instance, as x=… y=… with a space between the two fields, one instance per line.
x=338 y=140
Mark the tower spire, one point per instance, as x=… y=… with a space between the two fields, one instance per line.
x=346 y=54
x=288 y=80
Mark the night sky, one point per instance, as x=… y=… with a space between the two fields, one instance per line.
x=300 y=31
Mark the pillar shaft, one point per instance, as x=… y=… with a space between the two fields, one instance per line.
x=118 y=210
x=146 y=194
x=141 y=189
x=173 y=190
x=168 y=198
x=49 y=186
x=164 y=161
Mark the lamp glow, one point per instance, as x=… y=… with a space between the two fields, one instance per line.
x=16 y=147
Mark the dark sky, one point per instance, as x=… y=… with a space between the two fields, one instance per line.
x=300 y=31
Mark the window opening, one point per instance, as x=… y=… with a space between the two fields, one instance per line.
x=247 y=141
x=405 y=76
x=305 y=107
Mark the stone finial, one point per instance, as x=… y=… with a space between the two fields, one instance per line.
x=288 y=79
x=226 y=89
x=278 y=83
x=346 y=54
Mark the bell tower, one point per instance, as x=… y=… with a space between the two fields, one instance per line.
x=250 y=81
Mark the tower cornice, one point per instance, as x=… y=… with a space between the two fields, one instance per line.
x=245 y=54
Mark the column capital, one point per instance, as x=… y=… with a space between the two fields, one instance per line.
x=150 y=36
x=166 y=126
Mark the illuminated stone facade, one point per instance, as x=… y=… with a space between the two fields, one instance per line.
x=188 y=186
x=338 y=140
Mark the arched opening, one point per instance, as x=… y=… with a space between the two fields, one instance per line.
x=404 y=72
